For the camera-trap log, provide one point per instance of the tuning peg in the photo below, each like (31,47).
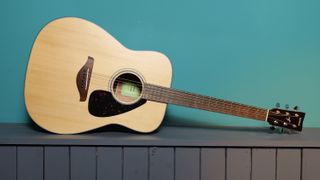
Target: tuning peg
(296,108)
(277,105)
(287,106)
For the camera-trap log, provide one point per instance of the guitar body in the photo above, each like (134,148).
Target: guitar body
(80,78)
(53,79)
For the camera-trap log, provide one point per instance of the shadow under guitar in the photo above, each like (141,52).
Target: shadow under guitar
(174,121)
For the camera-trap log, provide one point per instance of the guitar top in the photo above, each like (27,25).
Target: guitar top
(80,78)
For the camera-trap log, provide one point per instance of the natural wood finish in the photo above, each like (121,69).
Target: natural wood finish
(60,50)
(54,80)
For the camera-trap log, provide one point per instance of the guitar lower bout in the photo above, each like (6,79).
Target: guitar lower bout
(80,78)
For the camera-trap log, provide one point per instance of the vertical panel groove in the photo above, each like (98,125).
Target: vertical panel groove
(16,162)
(200,152)
(276,165)
(250,163)
(148,162)
(225,163)
(174,163)
(122,160)
(69,151)
(17,166)
(43,162)
(301,163)
(96,163)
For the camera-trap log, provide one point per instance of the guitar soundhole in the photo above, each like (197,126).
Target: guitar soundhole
(124,95)
(127,88)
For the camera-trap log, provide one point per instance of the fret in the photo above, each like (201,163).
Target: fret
(177,97)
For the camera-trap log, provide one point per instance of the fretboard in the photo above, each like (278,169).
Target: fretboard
(177,97)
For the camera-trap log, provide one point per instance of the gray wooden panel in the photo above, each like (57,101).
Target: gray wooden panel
(135,165)
(310,164)
(263,164)
(213,163)
(29,163)
(187,164)
(56,163)
(161,163)
(8,162)
(109,163)
(238,164)
(83,163)
(288,164)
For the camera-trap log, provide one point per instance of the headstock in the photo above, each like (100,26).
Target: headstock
(290,119)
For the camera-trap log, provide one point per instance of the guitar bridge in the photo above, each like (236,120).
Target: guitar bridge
(83,78)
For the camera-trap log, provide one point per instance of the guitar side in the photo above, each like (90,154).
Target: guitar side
(60,51)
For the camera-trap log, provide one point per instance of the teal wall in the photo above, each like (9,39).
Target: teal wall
(257,52)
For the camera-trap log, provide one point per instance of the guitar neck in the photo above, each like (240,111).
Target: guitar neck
(177,97)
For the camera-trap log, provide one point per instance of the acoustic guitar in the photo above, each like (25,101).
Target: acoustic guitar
(80,78)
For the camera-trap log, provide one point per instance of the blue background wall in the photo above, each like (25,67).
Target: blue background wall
(257,52)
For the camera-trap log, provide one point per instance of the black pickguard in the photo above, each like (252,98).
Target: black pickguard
(102,104)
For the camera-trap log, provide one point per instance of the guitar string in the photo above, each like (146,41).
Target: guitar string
(222,102)
(240,107)
(202,96)
(203,106)
(218,105)
(178,91)
(194,95)
(214,106)
(223,106)
(171,89)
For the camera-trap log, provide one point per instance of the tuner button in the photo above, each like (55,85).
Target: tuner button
(285,124)
(296,108)
(288,119)
(277,105)
(287,106)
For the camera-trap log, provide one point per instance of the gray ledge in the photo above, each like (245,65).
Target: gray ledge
(26,134)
